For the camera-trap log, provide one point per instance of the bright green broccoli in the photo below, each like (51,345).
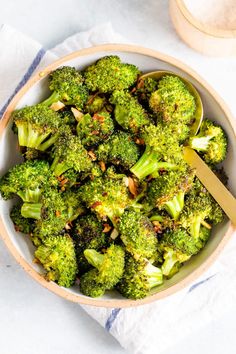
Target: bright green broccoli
(139,277)
(137,234)
(21,224)
(66,84)
(172,101)
(73,204)
(90,286)
(128,113)
(88,233)
(119,149)
(57,255)
(168,191)
(106,196)
(162,151)
(37,126)
(210,142)
(109,74)
(94,129)
(110,265)
(28,180)
(69,153)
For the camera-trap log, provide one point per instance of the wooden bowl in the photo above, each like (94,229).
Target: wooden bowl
(213,38)
(35,90)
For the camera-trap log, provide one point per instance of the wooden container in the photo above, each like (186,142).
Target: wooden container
(35,90)
(214,38)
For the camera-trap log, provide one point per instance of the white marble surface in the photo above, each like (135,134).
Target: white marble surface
(34,321)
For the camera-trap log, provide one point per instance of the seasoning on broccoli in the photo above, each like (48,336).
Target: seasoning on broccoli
(69,153)
(28,180)
(139,277)
(96,103)
(66,84)
(109,74)
(172,101)
(110,265)
(210,142)
(90,286)
(137,234)
(57,255)
(94,129)
(37,126)
(119,149)
(129,114)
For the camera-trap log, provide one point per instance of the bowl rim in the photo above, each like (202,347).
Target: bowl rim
(63,292)
(207,29)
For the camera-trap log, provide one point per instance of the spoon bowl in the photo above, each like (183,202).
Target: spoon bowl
(157,75)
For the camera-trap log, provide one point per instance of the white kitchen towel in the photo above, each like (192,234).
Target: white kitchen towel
(161,324)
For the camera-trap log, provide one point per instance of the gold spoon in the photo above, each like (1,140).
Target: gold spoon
(215,187)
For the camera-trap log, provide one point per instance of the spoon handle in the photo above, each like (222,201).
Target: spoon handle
(218,191)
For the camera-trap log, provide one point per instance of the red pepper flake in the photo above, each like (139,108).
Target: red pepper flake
(107,228)
(102,165)
(104,194)
(92,155)
(95,132)
(94,205)
(139,141)
(58,214)
(98,117)
(140,84)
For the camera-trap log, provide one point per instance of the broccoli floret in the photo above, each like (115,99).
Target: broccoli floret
(66,84)
(107,197)
(68,179)
(168,191)
(162,151)
(210,142)
(137,233)
(51,213)
(94,129)
(178,246)
(32,154)
(28,180)
(67,117)
(95,104)
(109,74)
(128,113)
(119,149)
(57,255)
(173,101)
(90,286)
(37,126)
(110,265)
(200,208)
(139,277)
(73,204)
(144,89)
(69,153)
(21,224)
(88,233)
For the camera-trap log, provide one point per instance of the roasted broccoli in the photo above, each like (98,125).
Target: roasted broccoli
(119,149)
(88,233)
(139,277)
(66,84)
(137,234)
(110,265)
(21,224)
(73,204)
(57,256)
(210,142)
(109,74)
(69,153)
(162,151)
(128,113)
(172,101)
(28,180)
(96,103)
(94,129)
(89,284)
(168,191)
(37,126)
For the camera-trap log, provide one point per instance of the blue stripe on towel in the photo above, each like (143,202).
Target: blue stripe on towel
(25,78)
(111,319)
(194,286)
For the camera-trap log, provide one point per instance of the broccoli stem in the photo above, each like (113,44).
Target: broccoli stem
(94,258)
(147,164)
(55,97)
(154,275)
(195,227)
(35,138)
(58,168)
(156,218)
(170,260)
(22,134)
(175,206)
(29,195)
(31,210)
(200,143)
(49,142)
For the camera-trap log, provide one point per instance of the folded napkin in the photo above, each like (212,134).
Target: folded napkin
(158,326)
